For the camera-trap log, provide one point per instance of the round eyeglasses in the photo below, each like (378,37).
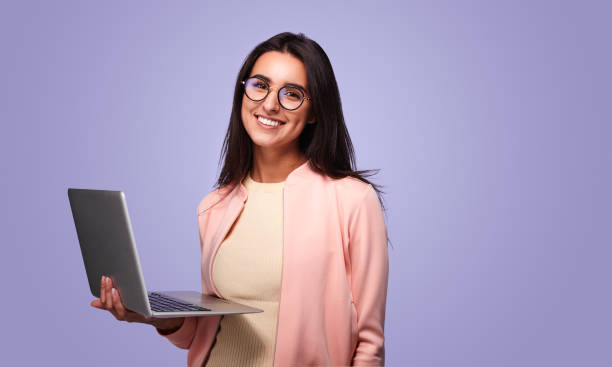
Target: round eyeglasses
(290,97)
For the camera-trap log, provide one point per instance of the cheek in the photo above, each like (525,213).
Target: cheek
(304,116)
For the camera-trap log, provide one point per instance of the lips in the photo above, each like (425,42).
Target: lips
(269,122)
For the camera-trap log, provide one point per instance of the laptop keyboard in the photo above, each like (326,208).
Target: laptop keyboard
(162,303)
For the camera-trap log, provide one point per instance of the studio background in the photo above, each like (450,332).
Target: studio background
(490,122)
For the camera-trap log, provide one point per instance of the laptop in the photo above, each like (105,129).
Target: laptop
(107,244)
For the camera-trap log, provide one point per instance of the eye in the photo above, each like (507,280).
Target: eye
(261,85)
(292,94)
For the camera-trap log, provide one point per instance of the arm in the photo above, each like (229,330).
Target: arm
(369,277)
(183,336)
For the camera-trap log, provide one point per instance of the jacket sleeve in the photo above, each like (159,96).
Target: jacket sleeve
(369,277)
(183,337)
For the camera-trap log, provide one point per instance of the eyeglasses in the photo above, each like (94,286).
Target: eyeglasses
(290,97)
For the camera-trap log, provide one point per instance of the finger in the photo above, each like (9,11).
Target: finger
(102,282)
(97,304)
(108,295)
(109,299)
(118,304)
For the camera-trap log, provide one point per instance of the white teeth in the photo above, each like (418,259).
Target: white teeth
(265,121)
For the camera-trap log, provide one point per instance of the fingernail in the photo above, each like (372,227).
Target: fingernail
(114,292)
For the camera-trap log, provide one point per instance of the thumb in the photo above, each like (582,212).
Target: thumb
(96,303)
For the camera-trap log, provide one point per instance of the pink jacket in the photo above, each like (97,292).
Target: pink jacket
(334,273)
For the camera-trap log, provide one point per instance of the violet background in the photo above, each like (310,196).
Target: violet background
(489,120)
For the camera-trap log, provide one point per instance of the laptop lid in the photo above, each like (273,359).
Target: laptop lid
(107,244)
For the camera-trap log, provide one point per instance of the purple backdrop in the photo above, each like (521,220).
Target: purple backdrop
(490,122)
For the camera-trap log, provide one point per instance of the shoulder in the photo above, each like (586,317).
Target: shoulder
(347,188)
(214,198)
(355,195)
(355,204)
(352,188)
(348,193)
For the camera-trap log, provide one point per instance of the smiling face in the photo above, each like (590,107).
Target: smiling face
(269,125)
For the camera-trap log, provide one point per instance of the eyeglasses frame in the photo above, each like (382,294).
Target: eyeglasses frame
(305,97)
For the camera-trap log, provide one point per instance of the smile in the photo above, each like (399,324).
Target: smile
(269,122)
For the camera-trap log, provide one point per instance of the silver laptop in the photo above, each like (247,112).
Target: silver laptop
(108,248)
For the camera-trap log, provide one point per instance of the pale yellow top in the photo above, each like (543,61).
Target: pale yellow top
(247,269)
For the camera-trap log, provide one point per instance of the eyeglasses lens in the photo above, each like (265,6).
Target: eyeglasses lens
(291,98)
(256,89)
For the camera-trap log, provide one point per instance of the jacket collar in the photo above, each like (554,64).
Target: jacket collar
(239,192)
(294,176)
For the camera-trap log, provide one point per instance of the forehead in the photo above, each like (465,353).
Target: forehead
(281,68)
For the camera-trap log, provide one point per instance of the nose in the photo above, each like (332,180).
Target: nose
(270,103)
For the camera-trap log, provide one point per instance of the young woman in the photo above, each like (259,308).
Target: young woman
(292,227)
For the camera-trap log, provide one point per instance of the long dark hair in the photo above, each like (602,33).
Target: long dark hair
(326,143)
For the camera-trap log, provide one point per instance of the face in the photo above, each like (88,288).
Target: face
(259,117)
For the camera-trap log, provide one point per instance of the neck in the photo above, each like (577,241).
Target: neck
(274,165)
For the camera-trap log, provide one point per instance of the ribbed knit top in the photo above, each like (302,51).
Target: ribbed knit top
(247,269)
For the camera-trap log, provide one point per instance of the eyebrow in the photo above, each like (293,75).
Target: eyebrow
(288,84)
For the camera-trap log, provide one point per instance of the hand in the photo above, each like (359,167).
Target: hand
(110,300)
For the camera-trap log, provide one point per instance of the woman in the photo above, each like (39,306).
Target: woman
(292,228)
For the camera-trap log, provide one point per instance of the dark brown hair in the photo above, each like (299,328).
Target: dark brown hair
(326,143)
